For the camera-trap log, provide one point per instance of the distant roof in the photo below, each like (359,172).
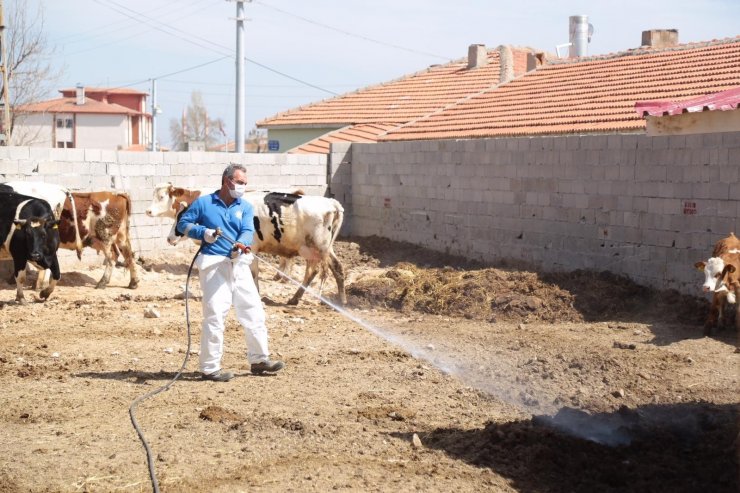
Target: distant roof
(719,101)
(363,133)
(585,95)
(107,90)
(404,99)
(69,105)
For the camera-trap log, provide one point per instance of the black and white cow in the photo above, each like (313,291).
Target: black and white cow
(289,225)
(29,233)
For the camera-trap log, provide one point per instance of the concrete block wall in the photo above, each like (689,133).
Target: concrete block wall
(137,173)
(646,207)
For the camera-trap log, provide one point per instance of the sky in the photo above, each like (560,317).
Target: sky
(300,51)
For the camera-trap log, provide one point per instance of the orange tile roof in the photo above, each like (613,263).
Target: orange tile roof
(105,90)
(362,133)
(590,95)
(401,100)
(68,105)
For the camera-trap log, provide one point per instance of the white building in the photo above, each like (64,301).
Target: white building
(83,117)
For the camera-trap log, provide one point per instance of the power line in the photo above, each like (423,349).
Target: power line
(351,34)
(189,40)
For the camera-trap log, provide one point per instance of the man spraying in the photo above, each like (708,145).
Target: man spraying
(225,277)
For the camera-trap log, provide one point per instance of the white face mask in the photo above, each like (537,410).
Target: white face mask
(238,191)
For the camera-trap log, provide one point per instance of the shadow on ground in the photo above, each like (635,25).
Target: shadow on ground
(670,448)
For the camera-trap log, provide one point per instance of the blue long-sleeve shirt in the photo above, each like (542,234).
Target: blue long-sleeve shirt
(210,212)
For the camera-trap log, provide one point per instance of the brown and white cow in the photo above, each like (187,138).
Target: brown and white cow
(288,225)
(103,221)
(719,274)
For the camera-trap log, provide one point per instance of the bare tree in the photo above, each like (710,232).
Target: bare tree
(195,126)
(30,73)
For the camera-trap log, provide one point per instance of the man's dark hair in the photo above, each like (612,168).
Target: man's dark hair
(231,169)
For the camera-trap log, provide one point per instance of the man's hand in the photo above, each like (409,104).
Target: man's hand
(210,235)
(240,248)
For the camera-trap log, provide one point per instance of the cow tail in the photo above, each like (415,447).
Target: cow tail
(75,224)
(336,223)
(128,212)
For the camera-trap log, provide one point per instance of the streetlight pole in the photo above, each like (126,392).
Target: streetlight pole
(240,103)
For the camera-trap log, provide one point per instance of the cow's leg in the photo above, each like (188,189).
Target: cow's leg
(285,267)
(19,275)
(336,268)
(43,279)
(128,256)
(715,312)
(55,276)
(108,263)
(311,271)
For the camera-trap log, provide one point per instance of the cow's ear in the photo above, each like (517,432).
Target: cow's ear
(700,265)
(19,222)
(53,224)
(729,269)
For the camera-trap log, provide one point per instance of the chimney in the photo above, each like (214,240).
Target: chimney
(477,56)
(506,64)
(535,60)
(80,93)
(579,35)
(660,38)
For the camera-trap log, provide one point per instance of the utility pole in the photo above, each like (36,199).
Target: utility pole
(4,69)
(240,99)
(155,112)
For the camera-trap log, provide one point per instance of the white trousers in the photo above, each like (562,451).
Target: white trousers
(226,282)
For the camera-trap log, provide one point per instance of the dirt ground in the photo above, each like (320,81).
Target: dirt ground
(442,375)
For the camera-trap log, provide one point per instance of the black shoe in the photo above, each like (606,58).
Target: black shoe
(269,365)
(219,376)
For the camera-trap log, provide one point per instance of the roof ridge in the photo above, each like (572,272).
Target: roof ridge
(429,68)
(644,50)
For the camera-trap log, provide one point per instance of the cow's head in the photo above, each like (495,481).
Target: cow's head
(162,201)
(718,275)
(41,237)
(174,237)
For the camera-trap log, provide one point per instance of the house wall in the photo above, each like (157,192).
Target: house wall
(98,131)
(291,138)
(34,129)
(646,207)
(694,123)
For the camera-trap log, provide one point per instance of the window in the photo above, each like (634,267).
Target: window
(68,123)
(63,145)
(60,123)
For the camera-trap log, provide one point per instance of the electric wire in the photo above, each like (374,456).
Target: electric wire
(135,403)
(351,34)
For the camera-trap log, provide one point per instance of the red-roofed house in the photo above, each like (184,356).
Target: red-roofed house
(89,117)
(363,115)
(716,112)
(541,96)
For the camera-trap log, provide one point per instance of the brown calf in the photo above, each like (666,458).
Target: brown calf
(103,221)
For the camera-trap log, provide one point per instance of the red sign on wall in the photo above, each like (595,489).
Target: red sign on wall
(689,208)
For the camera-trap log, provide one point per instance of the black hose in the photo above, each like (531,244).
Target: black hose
(132,407)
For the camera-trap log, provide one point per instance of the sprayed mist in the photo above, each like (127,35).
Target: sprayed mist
(499,379)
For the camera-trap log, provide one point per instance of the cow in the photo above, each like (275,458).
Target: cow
(102,219)
(29,234)
(288,225)
(716,279)
(170,201)
(56,196)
